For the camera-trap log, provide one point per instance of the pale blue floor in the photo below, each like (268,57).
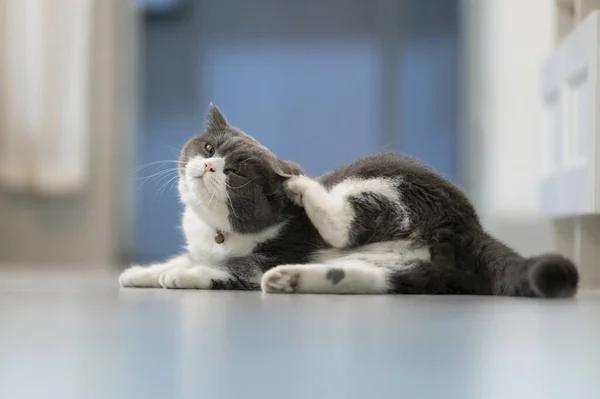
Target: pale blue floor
(79,336)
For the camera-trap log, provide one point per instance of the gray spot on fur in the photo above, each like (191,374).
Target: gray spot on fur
(335,275)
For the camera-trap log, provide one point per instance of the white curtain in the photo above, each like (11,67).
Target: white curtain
(45,61)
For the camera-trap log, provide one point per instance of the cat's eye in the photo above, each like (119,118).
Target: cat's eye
(235,172)
(228,171)
(209,148)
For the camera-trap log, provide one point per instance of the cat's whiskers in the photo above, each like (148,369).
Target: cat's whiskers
(159,173)
(242,186)
(159,176)
(162,189)
(165,176)
(245,161)
(231,204)
(164,161)
(177,150)
(212,196)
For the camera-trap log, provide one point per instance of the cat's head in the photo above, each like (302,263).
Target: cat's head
(232,181)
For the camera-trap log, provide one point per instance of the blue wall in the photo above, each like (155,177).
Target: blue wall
(428,116)
(304,79)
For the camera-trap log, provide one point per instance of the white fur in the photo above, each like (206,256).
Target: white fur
(197,277)
(389,254)
(206,192)
(330,212)
(359,278)
(366,270)
(201,240)
(149,276)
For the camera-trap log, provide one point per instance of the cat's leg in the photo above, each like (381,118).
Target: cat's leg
(184,273)
(321,278)
(382,268)
(350,212)
(149,276)
(414,277)
(196,277)
(235,274)
(329,214)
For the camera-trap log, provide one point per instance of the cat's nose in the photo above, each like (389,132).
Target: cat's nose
(208,167)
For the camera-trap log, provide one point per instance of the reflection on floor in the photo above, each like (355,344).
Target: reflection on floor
(77,335)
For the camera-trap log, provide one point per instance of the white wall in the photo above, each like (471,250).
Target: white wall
(508,42)
(505,44)
(83,228)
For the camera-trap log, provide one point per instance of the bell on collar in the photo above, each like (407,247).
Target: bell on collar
(219,238)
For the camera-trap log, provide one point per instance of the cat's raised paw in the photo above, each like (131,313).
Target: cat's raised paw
(139,276)
(280,280)
(296,186)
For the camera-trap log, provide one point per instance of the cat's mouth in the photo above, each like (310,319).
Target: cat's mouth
(199,183)
(205,188)
(198,180)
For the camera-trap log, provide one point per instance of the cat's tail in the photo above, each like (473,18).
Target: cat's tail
(547,275)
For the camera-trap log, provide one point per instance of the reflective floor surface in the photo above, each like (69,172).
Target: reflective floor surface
(78,335)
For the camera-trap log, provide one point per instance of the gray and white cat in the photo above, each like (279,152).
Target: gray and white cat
(384,224)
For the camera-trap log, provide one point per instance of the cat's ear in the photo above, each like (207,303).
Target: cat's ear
(215,119)
(291,168)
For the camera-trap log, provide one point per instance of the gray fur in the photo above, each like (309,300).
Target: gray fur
(335,275)
(434,214)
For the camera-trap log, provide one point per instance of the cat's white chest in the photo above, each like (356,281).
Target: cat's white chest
(201,242)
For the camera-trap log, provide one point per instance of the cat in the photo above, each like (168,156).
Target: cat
(385,224)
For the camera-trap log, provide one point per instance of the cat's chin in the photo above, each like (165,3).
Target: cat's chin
(197,197)
(214,214)
(187,198)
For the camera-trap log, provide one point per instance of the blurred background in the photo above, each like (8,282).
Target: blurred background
(97,96)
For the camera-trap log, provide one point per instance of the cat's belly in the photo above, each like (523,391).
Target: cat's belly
(390,254)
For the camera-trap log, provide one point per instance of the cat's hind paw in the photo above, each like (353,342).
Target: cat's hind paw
(281,280)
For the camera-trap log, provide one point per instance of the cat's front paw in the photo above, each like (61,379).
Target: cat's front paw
(280,280)
(139,276)
(296,187)
(182,278)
